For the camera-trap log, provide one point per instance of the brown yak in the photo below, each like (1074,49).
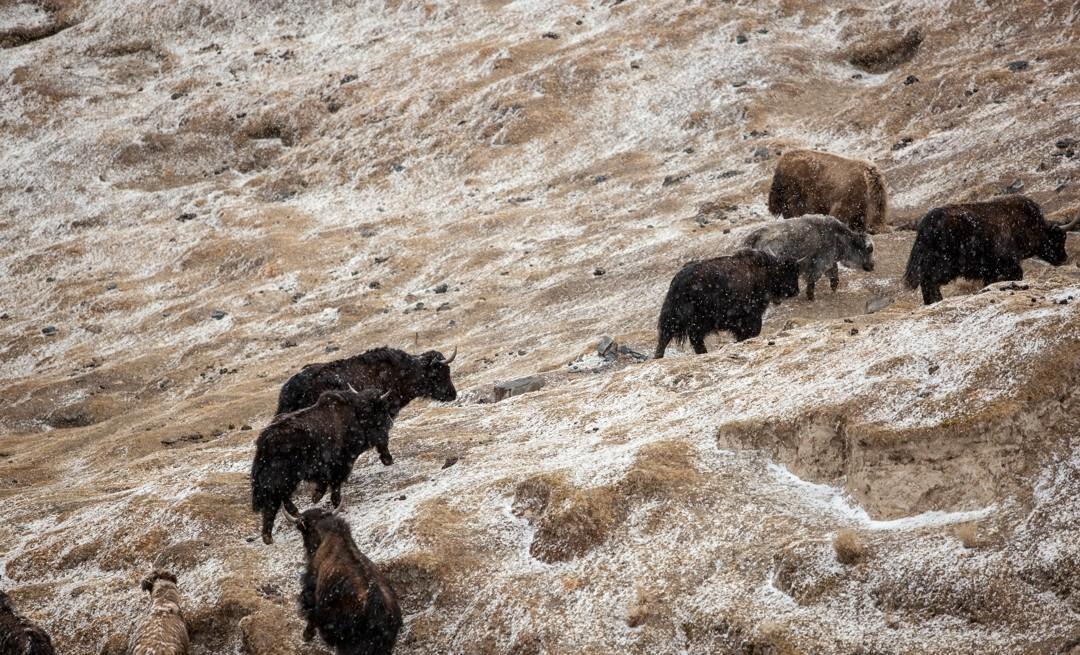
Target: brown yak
(163,630)
(813,182)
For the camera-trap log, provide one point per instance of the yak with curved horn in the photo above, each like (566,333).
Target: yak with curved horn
(405,376)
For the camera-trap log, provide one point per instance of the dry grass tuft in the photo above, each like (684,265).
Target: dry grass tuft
(968,534)
(849,547)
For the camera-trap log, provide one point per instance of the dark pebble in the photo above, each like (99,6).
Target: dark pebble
(550,35)
(374,284)
(1018,65)
(1066,143)
(598,272)
(741,38)
(217,314)
(185,217)
(245,427)
(288,343)
(49,330)
(442,288)
(910,79)
(450,461)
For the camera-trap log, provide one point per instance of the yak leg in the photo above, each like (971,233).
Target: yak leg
(811,282)
(834,276)
(268,516)
(335,495)
(662,343)
(320,491)
(309,632)
(931,292)
(698,342)
(384,454)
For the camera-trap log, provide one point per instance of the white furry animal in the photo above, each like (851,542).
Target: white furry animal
(163,630)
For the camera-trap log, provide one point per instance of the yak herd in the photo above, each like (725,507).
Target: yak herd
(330,413)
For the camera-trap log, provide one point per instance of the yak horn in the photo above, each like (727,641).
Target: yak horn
(1071,224)
(292,517)
(340,506)
(386,395)
(351,388)
(452,355)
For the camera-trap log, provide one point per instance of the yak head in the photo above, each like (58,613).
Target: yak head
(316,524)
(161,585)
(859,252)
(1052,244)
(435,379)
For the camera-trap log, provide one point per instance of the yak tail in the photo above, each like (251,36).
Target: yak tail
(877,199)
(916,260)
(776,194)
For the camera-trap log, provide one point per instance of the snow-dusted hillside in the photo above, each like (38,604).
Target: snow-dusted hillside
(196,198)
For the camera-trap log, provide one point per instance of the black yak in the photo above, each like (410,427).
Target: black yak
(981,241)
(818,243)
(343,596)
(318,444)
(163,631)
(724,293)
(18,636)
(386,369)
(813,182)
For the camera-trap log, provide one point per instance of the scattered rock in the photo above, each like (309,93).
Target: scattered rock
(598,272)
(5,316)
(374,284)
(902,143)
(674,179)
(331,348)
(726,174)
(1015,187)
(550,35)
(288,343)
(380,259)
(1018,65)
(348,78)
(933,368)
(761,153)
(217,314)
(49,330)
(517,387)
(110,286)
(443,307)
(877,304)
(738,83)
(185,217)
(607,347)
(450,461)
(910,79)
(245,427)
(1066,143)
(853,331)
(883,52)
(194,437)
(599,179)
(442,288)
(741,38)
(630,352)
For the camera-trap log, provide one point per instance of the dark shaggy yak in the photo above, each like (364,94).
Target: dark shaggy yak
(18,636)
(812,182)
(818,243)
(163,630)
(724,293)
(386,369)
(318,444)
(343,596)
(981,241)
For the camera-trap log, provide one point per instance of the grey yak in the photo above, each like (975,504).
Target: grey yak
(819,243)
(982,241)
(724,293)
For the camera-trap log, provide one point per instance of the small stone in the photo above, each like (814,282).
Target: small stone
(599,179)
(5,316)
(331,348)
(374,284)
(419,305)
(598,272)
(110,286)
(521,353)
(771,342)
(550,35)
(726,174)
(442,288)
(443,307)
(185,217)
(49,330)
(902,143)
(517,387)
(450,461)
(50,279)
(401,497)
(910,79)
(1066,143)
(741,38)
(1015,187)
(669,180)
(348,78)
(217,314)
(606,346)
(738,83)
(933,368)
(245,427)
(761,153)
(288,343)
(763,30)
(853,331)
(381,259)
(635,64)
(1018,65)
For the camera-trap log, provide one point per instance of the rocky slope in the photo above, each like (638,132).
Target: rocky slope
(198,198)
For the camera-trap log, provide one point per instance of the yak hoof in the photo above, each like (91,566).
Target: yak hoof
(267,539)
(387,460)
(309,633)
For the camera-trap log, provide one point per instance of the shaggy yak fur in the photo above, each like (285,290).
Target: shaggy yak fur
(343,596)
(724,293)
(385,369)
(818,243)
(981,241)
(318,444)
(811,182)
(18,636)
(163,630)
